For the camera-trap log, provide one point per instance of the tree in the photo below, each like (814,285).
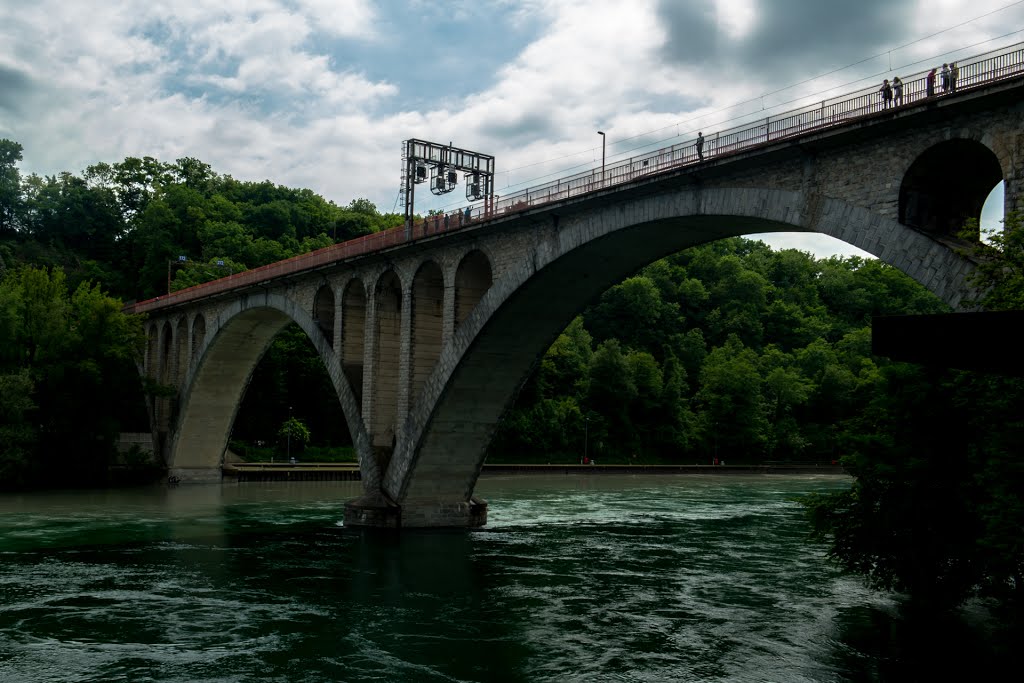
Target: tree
(732,410)
(68,360)
(674,429)
(611,391)
(10,185)
(936,510)
(17,435)
(564,369)
(293,434)
(634,313)
(784,389)
(999,256)
(647,379)
(909,522)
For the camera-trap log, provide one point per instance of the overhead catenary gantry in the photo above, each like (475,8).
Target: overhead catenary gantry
(440,165)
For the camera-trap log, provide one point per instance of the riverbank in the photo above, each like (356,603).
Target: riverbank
(329,471)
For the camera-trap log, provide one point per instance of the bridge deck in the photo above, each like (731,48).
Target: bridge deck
(837,113)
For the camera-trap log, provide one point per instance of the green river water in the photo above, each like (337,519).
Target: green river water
(575,578)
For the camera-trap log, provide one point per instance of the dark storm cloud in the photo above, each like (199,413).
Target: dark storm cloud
(790,38)
(14,87)
(527,126)
(692,30)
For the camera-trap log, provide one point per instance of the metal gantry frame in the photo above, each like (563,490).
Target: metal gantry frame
(424,161)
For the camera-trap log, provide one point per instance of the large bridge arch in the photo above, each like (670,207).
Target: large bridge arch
(213,388)
(572,260)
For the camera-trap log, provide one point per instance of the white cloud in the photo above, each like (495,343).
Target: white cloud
(260,89)
(736,17)
(348,18)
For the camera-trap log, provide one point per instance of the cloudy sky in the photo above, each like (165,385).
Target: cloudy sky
(321,93)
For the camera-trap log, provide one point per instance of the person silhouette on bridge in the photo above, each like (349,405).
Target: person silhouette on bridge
(886,91)
(897,90)
(930,83)
(700,146)
(945,78)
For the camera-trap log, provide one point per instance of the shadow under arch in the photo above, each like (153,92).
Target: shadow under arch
(353,335)
(947,184)
(523,312)
(213,389)
(473,278)
(427,304)
(323,311)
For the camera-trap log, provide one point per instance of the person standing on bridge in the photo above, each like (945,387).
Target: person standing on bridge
(886,91)
(897,90)
(700,146)
(930,83)
(945,78)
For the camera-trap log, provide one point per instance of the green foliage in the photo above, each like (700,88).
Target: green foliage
(125,224)
(10,185)
(66,367)
(727,348)
(936,509)
(733,411)
(634,313)
(17,434)
(999,257)
(197,272)
(293,432)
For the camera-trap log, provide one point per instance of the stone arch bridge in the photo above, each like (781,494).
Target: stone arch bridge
(428,331)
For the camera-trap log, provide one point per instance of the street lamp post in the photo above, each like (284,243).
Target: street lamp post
(603,140)
(288,437)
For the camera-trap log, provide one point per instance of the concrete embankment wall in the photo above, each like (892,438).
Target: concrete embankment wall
(289,472)
(345,472)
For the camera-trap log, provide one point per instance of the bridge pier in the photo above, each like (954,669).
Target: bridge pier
(196,475)
(376,511)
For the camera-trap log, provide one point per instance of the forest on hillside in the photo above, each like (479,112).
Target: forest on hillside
(126,225)
(729,350)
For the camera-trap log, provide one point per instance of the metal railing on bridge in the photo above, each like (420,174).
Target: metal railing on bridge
(975,72)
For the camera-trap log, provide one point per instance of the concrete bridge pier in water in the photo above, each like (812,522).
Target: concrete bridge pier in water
(427,333)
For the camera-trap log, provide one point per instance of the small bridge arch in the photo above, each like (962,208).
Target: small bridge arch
(213,388)
(947,184)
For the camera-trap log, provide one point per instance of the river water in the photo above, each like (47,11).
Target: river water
(575,578)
